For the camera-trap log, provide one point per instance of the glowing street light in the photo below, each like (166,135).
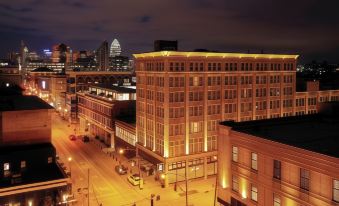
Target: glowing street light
(69,164)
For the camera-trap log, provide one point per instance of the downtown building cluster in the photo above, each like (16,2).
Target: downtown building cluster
(175,119)
(61,57)
(181,98)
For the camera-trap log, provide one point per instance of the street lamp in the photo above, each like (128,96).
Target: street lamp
(163,176)
(70,169)
(122,151)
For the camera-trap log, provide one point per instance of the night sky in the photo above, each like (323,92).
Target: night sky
(306,27)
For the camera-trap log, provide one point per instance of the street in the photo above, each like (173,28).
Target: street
(109,188)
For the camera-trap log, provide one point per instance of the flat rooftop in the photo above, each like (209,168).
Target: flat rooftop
(214,54)
(118,89)
(317,132)
(22,102)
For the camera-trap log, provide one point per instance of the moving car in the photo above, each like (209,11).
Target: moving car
(121,169)
(135,179)
(72,137)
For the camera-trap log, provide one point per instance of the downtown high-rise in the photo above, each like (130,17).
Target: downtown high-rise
(182,96)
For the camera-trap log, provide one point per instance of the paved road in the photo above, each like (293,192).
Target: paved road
(106,186)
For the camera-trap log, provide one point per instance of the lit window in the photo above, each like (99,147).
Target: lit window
(235,154)
(43,84)
(254,193)
(304,179)
(276,200)
(235,184)
(336,190)
(6,166)
(50,160)
(254,162)
(277,169)
(23,164)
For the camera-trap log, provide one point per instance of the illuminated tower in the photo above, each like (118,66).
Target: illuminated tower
(115,48)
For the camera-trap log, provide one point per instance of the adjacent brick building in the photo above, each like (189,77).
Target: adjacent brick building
(286,161)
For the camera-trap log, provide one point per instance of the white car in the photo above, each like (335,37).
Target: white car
(134,179)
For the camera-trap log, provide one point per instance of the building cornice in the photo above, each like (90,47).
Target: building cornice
(213,54)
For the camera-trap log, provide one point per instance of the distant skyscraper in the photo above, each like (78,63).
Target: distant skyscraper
(102,56)
(115,48)
(61,53)
(23,54)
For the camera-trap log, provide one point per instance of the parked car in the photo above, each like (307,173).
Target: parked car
(72,137)
(85,138)
(121,169)
(134,179)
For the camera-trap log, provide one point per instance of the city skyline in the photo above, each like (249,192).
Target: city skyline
(307,28)
(162,103)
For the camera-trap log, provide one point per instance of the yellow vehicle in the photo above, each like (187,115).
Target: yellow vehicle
(135,179)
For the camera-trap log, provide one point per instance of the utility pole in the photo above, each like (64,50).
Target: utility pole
(152,199)
(186,186)
(176,180)
(215,189)
(88,187)
(141,180)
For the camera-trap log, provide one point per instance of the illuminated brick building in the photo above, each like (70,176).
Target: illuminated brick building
(181,97)
(287,161)
(79,81)
(100,105)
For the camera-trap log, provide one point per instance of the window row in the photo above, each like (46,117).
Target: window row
(216,66)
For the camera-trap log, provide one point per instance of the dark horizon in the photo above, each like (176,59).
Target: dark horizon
(307,28)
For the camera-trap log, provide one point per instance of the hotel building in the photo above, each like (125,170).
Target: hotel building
(289,161)
(98,108)
(182,96)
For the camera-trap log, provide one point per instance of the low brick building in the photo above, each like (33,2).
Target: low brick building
(29,174)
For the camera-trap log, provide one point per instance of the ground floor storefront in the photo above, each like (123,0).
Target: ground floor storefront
(177,169)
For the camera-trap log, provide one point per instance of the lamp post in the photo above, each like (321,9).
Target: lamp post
(163,176)
(65,113)
(216,183)
(69,164)
(121,151)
